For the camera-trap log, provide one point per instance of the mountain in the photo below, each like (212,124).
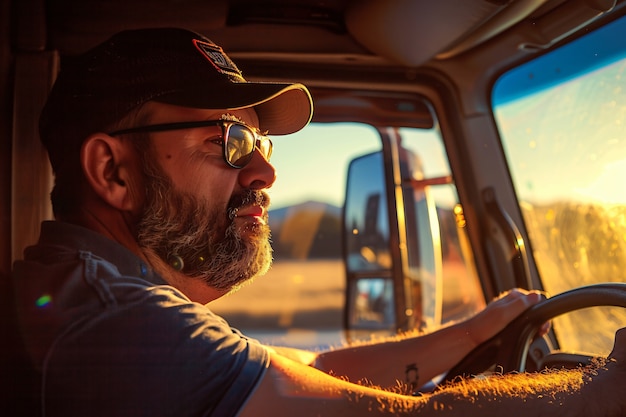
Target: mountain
(309,230)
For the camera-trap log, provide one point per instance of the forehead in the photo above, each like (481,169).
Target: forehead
(168,113)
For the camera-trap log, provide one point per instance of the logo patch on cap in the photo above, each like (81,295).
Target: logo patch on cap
(218,58)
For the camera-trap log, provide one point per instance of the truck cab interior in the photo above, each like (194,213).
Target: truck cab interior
(458,149)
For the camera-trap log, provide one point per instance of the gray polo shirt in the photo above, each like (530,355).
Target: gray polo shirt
(112,338)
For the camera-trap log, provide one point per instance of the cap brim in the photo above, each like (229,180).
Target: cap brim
(282,108)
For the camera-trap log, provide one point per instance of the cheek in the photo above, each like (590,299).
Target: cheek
(183,173)
(203,180)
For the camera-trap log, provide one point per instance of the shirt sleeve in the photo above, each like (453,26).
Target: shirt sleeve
(154,353)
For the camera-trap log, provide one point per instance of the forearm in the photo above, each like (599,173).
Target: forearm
(410,361)
(289,389)
(577,392)
(416,360)
(583,392)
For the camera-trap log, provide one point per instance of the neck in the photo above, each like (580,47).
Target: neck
(194,288)
(113,225)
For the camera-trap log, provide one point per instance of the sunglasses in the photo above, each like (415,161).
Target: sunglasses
(238,143)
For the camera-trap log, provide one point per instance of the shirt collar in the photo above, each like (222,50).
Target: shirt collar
(82,239)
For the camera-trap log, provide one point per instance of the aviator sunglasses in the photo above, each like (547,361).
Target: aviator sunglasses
(238,139)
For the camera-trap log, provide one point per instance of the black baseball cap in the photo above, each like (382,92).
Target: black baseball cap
(169,65)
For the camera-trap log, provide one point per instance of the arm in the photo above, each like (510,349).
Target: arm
(416,360)
(293,389)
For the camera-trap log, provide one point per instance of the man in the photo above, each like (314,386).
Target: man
(161,160)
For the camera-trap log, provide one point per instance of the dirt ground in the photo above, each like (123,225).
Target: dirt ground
(297,303)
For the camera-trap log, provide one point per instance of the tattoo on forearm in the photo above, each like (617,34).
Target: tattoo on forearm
(411,375)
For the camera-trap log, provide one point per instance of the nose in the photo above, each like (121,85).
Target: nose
(258,174)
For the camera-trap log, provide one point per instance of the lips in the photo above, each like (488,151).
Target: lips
(251,211)
(250,205)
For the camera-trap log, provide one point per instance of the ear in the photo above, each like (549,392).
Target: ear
(106,162)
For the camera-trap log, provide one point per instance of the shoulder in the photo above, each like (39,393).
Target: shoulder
(159,350)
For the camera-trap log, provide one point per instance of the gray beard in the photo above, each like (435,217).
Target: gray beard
(201,241)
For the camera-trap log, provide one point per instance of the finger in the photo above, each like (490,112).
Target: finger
(544,329)
(512,305)
(527,297)
(511,294)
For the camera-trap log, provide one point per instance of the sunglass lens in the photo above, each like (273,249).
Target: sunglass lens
(265,146)
(239,146)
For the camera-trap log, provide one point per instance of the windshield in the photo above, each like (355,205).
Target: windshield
(562,118)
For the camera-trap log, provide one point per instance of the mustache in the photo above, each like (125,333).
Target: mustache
(245,199)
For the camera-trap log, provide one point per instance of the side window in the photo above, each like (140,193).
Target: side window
(409,267)
(562,120)
(300,301)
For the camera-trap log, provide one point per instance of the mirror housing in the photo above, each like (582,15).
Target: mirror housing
(391,286)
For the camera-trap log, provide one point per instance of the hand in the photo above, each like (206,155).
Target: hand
(501,312)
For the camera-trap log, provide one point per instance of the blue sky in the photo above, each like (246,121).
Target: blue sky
(570,142)
(312,164)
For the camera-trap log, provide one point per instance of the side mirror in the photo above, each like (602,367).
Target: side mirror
(370,298)
(392,252)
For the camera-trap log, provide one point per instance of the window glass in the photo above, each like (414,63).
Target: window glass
(434,192)
(300,301)
(562,118)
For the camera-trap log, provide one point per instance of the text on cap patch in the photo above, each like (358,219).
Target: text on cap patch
(217,57)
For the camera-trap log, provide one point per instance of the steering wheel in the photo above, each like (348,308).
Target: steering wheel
(508,350)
